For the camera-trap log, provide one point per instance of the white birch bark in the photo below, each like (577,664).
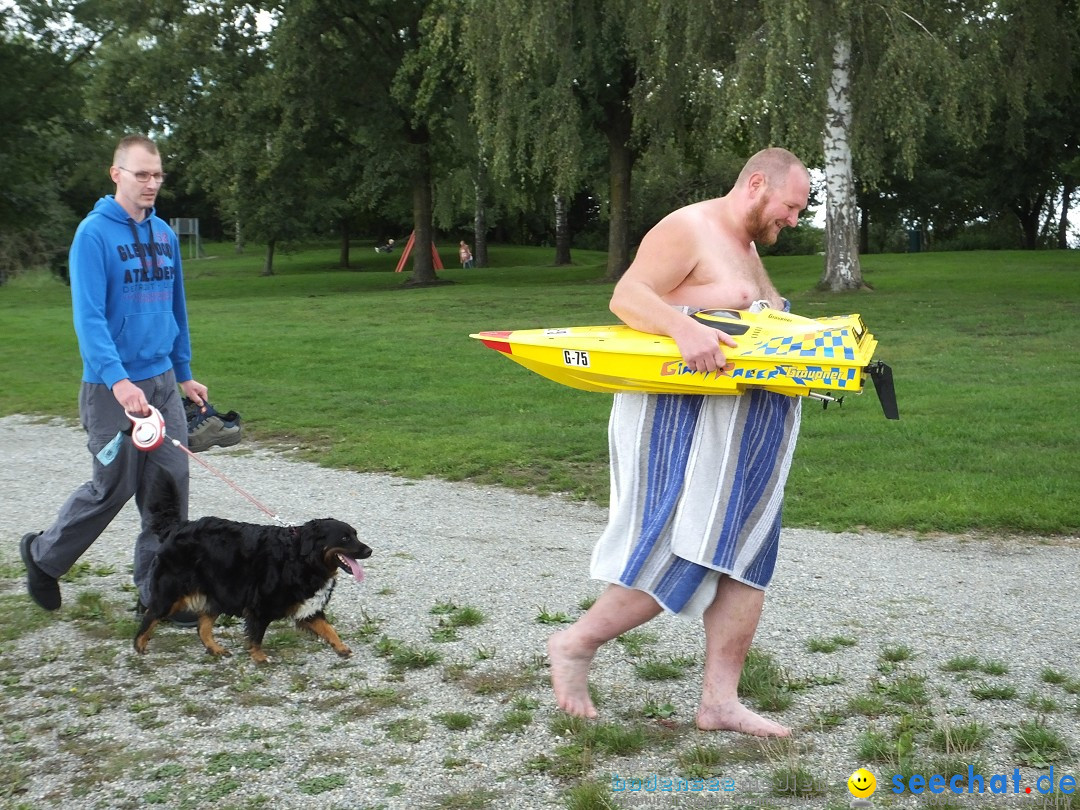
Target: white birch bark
(562,231)
(842,270)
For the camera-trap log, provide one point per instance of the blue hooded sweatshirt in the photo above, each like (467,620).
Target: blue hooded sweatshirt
(127,297)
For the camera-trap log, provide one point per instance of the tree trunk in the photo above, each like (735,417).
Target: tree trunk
(1047,223)
(842,270)
(1063,222)
(480,251)
(864,231)
(268,265)
(620,164)
(238,236)
(480,248)
(343,259)
(1029,227)
(1027,213)
(562,232)
(423,267)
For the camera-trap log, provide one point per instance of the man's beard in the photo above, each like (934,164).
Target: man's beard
(759,228)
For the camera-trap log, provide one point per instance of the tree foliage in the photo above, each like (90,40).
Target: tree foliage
(40,135)
(899,64)
(301,117)
(553,80)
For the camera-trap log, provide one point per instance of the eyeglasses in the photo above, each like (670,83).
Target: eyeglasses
(144,177)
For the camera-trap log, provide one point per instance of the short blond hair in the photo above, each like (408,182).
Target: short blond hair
(129,141)
(775,163)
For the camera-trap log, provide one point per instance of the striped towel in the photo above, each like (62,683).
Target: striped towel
(697,485)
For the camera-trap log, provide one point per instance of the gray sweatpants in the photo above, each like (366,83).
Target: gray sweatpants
(91,508)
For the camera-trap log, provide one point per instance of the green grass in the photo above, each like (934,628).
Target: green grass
(590,796)
(514,721)
(997,691)
(546,616)
(320,784)
(358,372)
(1038,745)
(961,663)
(635,641)
(655,669)
(701,762)
(894,655)
(764,682)
(908,689)
(829,645)
(609,739)
(952,738)
(405,656)
(656,710)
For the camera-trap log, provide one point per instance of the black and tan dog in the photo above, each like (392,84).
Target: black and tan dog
(261,573)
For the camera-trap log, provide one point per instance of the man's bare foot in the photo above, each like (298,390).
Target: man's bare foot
(570,675)
(734,716)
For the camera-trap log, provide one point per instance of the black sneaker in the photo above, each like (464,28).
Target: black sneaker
(182,618)
(44,589)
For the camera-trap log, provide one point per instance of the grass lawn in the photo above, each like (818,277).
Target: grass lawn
(354,371)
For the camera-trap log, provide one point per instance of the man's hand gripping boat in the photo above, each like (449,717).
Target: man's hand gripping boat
(822,358)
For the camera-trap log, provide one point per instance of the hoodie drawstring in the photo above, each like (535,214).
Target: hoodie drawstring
(141,250)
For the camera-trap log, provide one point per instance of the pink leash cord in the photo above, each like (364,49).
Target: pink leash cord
(148,433)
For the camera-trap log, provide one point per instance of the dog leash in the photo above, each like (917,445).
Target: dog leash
(148,433)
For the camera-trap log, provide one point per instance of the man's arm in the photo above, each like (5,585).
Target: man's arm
(89,296)
(666,257)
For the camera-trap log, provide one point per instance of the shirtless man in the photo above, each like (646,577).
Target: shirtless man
(702,256)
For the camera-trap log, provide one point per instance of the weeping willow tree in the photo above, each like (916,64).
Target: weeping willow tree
(854,85)
(552,79)
(1034,152)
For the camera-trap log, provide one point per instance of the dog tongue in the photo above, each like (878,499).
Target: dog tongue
(354,566)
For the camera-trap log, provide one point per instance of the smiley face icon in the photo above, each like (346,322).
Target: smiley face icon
(862,784)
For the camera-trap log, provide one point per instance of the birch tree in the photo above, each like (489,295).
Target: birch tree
(853,85)
(841,210)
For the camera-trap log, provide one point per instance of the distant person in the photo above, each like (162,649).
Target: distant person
(387,248)
(130,316)
(465,255)
(697,481)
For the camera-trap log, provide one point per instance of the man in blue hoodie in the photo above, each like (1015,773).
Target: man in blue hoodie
(127,296)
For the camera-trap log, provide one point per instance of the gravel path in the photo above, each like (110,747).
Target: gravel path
(88,723)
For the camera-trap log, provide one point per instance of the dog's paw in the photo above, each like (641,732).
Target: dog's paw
(344,652)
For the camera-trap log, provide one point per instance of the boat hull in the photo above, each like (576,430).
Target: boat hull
(776,351)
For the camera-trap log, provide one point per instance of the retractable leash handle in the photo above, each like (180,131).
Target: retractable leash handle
(147,432)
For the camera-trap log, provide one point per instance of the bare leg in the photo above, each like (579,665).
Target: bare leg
(730,623)
(571,651)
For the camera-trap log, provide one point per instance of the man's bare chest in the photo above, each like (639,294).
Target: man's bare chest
(732,284)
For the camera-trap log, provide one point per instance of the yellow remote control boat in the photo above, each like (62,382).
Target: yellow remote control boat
(821,358)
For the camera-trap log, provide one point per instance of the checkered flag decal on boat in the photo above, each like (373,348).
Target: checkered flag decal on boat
(815,344)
